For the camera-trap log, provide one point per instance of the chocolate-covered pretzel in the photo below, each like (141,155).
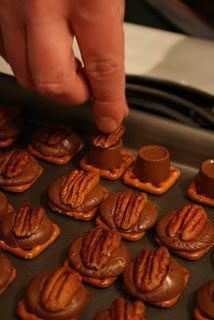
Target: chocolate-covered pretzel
(77,195)
(188,232)
(204,309)
(106,155)
(27,231)
(123,310)
(152,171)
(202,187)
(56,144)
(129,213)
(99,256)
(18,170)
(155,277)
(9,125)
(59,295)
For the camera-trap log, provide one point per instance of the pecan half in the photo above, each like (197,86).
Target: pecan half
(128,209)
(76,186)
(13,163)
(27,220)
(187,223)
(124,310)
(98,246)
(55,136)
(59,289)
(104,141)
(150,268)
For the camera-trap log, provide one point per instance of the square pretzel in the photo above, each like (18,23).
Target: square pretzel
(130,179)
(114,174)
(201,198)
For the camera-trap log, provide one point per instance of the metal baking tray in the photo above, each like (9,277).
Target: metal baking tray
(188,147)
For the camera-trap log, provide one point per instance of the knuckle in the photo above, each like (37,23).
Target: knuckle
(103,68)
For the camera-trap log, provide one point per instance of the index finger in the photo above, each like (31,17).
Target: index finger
(98,26)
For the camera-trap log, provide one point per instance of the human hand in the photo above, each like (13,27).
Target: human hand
(36,39)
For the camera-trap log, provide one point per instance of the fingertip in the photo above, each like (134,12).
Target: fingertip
(106,124)
(108,114)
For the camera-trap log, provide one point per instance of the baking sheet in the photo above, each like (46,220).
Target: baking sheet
(188,148)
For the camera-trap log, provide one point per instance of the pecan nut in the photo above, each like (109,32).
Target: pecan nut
(13,163)
(128,209)
(104,141)
(76,186)
(124,310)
(98,247)
(27,220)
(59,289)
(187,223)
(151,268)
(55,136)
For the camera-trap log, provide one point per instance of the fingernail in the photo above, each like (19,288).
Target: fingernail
(107,124)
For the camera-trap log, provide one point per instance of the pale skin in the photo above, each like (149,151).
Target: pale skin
(36,40)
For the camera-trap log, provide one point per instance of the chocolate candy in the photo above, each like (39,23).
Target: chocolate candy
(18,170)
(7,272)
(204,309)
(188,232)
(202,187)
(99,256)
(9,125)
(152,164)
(59,295)
(155,277)
(152,171)
(27,232)
(106,155)
(56,144)
(131,214)
(123,310)
(77,195)
(106,158)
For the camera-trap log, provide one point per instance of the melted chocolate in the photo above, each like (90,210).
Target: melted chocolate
(170,287)
(201,242)
(152,164)
(92,200)
(33,305)
(147,219)
(28,175)
(205,300)
(3,206)
(115,265)
(9,124)
(68,146)
(6,270)
(42,234)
